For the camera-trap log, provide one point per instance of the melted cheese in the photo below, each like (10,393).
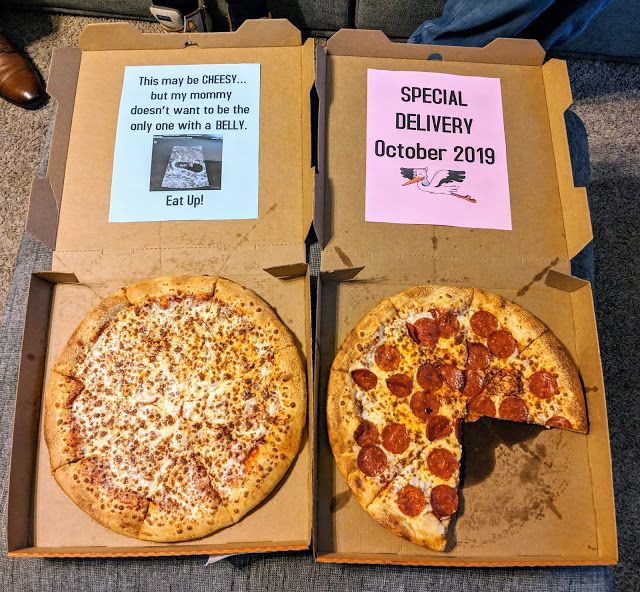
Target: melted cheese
(189,385)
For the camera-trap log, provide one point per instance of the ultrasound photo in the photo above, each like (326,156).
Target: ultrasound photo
(185,169)
(186,162)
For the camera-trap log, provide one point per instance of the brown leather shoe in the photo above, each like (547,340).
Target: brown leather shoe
(20,84)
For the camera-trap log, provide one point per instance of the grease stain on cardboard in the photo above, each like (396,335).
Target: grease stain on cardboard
(535,467)
(343,256)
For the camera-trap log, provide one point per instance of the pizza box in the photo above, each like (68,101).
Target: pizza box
(530,496)
(92,257)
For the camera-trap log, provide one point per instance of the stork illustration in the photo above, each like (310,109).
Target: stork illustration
(443,182)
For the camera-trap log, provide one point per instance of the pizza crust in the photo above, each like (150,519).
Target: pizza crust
(247,303)
(424,530)
(88,331)
(162,526)
(121,511)
(523,326)
(266,469)
(200,286)
(548,353)
(361,336)
(420,299)
(343,419)
(59,395)
(365,489)
(184,504)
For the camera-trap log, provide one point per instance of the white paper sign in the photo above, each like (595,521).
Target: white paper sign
(187,143)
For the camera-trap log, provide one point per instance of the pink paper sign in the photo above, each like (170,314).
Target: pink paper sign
(436,151)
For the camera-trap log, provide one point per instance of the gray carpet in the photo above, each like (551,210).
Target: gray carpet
(24,134)
(608,100)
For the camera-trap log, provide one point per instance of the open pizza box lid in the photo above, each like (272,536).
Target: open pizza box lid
(87,83)
(92,258)
(529,496)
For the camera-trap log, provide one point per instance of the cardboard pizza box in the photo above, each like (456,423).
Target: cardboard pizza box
(529,496)
(69,211)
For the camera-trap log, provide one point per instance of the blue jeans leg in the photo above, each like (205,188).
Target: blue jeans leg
(477,22)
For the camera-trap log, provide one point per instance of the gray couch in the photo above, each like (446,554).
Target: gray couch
(614,34)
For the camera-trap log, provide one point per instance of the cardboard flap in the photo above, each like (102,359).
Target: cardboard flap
(57,277)
(61,85)
(42,217)
(46,194)
(589,361)
(286,272)
(575,208)
(63,73)
(86,242)
(309,118)
(369,43)
(253,33)
(320,88)
(25,421)
(564,282)
(340,275)
(419,267)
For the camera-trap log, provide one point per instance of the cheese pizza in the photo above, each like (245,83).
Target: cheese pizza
(175,407)
(411,371)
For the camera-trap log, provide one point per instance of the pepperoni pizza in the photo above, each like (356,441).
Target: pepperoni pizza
(411,371)
(176,406)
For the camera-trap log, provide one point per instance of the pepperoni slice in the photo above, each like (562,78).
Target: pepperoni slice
(411,500)
(543,384)
(366,433)
(478,356)
(400,385)
(442,463)
(428,377)
(444,501)
(365,379)
(448,325)
(371,460)
(387,357)
(482,406)
(514,409)
(438,427)
(558,421)
(395,438)
(484,323)
(426,331)
(501,344)
(505,384)
(457,426)
(473,384)
(452,376)
(424,404)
